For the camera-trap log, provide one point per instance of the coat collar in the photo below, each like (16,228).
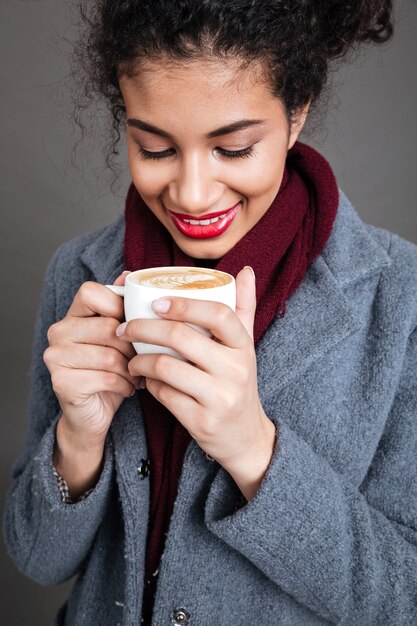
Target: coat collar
(104,256)
(318,314)
(352,251)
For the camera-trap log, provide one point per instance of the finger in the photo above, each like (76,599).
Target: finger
(89,357)
(246,298)
(95,299)
(99,331)
(181,405)
(188,342)
(177,374)
(121,279)
(217,317)
(75,384)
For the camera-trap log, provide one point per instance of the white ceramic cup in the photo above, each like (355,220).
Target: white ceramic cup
(138,298)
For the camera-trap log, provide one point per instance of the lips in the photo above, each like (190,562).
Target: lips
(198,231)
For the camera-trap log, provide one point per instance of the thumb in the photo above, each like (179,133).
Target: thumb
(246,298)
(120,280)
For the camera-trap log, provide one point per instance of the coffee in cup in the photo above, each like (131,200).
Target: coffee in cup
(144,286)
(181,278)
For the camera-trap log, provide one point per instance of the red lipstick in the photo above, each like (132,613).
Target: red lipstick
(205,231)
(209,216)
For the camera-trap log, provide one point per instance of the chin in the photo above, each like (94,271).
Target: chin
(211,252)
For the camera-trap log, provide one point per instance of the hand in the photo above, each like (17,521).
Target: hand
(215,394)
(89,364)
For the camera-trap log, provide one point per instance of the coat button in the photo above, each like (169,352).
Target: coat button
(180,617)
(144,468)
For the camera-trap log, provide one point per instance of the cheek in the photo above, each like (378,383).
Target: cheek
(263,180)
(264,175)
(147,176)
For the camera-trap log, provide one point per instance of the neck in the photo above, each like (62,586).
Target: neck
(207,262)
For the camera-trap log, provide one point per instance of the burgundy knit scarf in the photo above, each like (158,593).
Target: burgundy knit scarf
(280,248)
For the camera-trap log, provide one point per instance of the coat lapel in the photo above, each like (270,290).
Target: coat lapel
(317,317)
(318,314)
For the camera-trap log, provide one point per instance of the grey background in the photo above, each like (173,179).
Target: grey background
(370,139)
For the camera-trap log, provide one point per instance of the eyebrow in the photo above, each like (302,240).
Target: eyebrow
(224,130)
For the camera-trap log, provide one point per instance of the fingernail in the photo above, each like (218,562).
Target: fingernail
(161,306)
(251,269)
(141,384)
(121,329)
(126,272)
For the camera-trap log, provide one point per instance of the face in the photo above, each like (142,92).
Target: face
(206,138)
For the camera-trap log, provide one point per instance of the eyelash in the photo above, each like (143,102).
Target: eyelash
(235,154)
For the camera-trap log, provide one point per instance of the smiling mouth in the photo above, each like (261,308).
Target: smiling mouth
(213,225)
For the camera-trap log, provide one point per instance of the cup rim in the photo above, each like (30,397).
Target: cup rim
(178,267)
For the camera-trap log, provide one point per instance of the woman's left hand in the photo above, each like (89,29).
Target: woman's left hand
(215,395)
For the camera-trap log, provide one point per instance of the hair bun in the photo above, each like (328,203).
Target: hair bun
(347,23)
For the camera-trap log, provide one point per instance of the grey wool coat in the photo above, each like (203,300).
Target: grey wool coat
(331,535)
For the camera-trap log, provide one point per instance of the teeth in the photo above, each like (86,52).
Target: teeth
(205,222)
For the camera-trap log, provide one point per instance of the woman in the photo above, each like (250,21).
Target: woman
(271,478)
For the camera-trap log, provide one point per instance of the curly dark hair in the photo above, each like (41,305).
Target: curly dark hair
(294,39)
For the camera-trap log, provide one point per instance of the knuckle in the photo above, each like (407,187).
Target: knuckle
(86,290)
(110,324)
(207,429)
(163,393)
(227,400)
(110,380)
(52,333)
(162,363)
(58,382)
(48,356)
(112,359)
(223,315)
(176,334)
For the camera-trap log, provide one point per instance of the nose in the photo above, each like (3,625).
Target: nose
(194,189)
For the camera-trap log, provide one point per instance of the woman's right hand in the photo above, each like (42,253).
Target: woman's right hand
(88,362)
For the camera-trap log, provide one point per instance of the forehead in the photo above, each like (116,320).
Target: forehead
(210,92)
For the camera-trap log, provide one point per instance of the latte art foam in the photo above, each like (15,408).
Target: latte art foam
(178,278)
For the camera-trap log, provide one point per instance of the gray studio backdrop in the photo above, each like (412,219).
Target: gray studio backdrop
(370,138)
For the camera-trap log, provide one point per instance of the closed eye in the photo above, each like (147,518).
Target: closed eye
(237,154)
(145,154)
(229,154)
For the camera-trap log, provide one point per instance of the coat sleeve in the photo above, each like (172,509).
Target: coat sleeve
(46,538)
(348,554)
